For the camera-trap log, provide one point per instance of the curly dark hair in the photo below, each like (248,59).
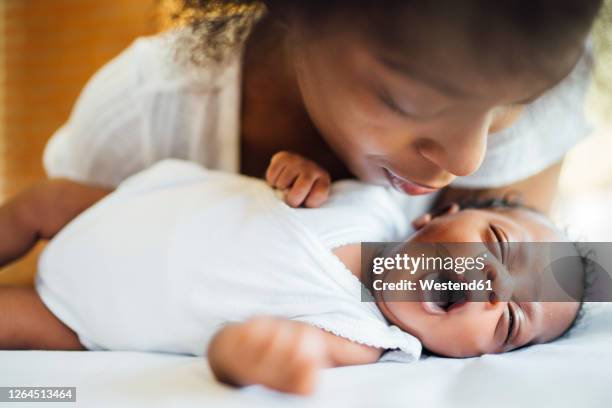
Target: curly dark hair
(539,30)
(216,27)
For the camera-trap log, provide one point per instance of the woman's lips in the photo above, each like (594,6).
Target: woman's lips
(407,187)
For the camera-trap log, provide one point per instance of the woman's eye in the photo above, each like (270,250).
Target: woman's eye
(390,103)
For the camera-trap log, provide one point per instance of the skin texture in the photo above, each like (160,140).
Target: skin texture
(356,110)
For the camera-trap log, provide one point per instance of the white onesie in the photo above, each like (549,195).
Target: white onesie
(178,251)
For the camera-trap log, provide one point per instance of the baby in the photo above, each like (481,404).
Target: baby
(186,260)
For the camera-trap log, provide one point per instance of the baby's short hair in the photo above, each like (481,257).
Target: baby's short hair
(509,200)
(587,260)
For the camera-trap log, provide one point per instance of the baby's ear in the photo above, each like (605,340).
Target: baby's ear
(426,218)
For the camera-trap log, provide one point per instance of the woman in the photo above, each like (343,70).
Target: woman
(428,97)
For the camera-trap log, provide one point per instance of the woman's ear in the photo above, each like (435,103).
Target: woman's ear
(423,220)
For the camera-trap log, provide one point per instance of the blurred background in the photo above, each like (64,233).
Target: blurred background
(584,205)
(50,48)
(48,51)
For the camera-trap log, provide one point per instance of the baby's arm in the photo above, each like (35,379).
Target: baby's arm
(304,182)
(281,354)
(40,212)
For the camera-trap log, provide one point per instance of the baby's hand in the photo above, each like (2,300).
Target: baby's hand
(280,354)
(303,181)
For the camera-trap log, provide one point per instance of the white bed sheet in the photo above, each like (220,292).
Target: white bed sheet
(575,371)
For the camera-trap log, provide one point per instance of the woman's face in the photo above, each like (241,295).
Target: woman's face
(413,123)
(473,328)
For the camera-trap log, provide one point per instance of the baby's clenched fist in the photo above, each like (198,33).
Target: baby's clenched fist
(303,181)
(280,354)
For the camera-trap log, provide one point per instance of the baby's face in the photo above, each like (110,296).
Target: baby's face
(475,328)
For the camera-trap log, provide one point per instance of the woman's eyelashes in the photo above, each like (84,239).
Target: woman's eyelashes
(390,103)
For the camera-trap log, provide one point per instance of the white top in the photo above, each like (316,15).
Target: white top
(178,251)
(144,106)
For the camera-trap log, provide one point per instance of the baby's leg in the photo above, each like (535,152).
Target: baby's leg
(26,323)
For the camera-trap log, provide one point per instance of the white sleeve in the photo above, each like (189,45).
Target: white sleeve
(546,131)
(102,141)
(147,105)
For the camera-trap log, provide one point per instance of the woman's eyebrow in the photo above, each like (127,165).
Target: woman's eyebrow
(439,84)
(447,88)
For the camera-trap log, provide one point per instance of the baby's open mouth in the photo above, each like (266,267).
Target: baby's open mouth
(442,301)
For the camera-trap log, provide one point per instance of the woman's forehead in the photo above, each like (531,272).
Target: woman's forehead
(462,76)
(490,69)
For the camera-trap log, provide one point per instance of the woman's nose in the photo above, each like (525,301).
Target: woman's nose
(458,149)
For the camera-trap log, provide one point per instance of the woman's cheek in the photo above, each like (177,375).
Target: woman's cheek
(505,118)
(374,127)
(361,129)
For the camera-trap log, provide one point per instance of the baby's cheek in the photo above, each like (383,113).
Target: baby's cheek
(459,337)
(462,335)
(410,317)
(436,333)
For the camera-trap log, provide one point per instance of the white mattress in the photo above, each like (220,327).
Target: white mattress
(571,372)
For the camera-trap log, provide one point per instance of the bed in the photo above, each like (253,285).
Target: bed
(575,371)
